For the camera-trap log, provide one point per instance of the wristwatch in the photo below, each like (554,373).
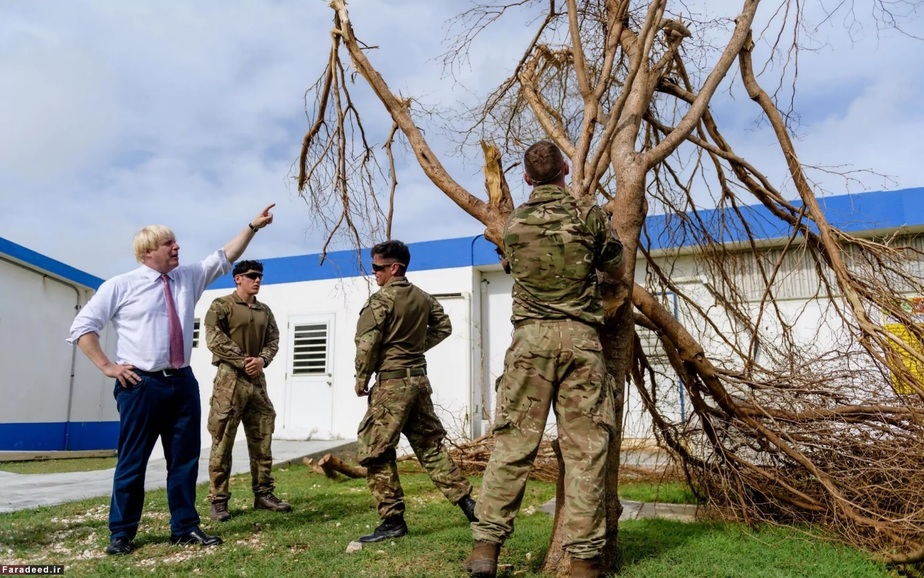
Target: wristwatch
(252,228)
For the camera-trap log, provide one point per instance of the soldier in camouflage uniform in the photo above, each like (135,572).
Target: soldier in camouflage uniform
(555,248)
(397,325)
(243,337)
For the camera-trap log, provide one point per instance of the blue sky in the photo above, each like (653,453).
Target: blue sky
(114,115)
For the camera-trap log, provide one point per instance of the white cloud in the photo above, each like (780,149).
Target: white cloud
(56,111)
(114,115)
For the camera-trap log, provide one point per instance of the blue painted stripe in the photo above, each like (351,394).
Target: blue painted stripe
(425,256)
(92,435)
(879,210)
(48,264)
(59,436)
(856,212)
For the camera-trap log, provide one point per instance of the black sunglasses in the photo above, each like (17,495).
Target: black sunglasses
(381,267)
(253,275)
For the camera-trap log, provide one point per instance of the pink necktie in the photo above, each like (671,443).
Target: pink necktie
(177,356)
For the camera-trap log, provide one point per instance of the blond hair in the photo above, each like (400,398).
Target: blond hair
(149,238)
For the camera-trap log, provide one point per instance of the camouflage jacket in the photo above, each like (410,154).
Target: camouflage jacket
(555,248)
(396,326)
(235,331)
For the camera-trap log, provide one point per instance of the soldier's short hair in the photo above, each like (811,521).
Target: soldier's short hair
(394,250)
(150,238)
(248,265)
(543,162)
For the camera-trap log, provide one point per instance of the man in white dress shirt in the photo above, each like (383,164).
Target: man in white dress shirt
(151,310)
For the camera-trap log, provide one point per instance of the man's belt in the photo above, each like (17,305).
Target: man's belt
(169,372)
(399,373)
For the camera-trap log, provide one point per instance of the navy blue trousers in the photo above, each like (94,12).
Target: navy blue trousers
(165,407)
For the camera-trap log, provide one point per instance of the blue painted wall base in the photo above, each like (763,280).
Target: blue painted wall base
(59,436)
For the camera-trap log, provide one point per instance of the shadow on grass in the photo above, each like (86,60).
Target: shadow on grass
(650,539)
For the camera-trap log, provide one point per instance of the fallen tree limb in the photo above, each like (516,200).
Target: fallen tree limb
(330,465)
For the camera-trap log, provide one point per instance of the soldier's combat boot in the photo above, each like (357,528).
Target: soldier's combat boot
(270,502)
(220,512)
(467,504)
(586,568)
(392,527)
(482,562)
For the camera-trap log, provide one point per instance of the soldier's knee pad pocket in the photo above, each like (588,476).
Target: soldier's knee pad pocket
(508,418)
(604,412)
(389,455)
(218,422)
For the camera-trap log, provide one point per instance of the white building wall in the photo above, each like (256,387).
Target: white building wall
(812,322)
(463,370)
(36,368)
(36,308)
(327,407)
(45,381)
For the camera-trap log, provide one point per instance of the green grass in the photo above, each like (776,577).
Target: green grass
(58,466)
(670,549)
(666,492)
(311,541)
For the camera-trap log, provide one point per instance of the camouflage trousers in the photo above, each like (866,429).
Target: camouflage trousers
(550,364)
(399,406)
(236,399)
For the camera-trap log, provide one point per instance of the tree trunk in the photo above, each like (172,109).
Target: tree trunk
(617,338)
(555,560)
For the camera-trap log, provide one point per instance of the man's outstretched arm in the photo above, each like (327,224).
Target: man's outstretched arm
(236,246)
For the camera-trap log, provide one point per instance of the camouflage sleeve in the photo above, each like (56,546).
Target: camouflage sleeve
(271,340)
(607,247)
(369,334)
(438,325)
(216,335)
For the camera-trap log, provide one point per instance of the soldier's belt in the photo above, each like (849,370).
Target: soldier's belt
(523,322)
(533,321)
(399,373)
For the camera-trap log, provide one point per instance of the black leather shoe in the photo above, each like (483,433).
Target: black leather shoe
(196,536)
(467,504)
(119,547)
(393,527)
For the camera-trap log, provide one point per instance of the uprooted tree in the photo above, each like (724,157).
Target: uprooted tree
(827,429)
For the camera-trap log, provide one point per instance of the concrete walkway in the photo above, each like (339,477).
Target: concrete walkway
(22,491)
(646,457)
(639,510)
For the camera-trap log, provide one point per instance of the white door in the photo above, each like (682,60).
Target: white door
(308,400)
(496,334)
(449,368)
